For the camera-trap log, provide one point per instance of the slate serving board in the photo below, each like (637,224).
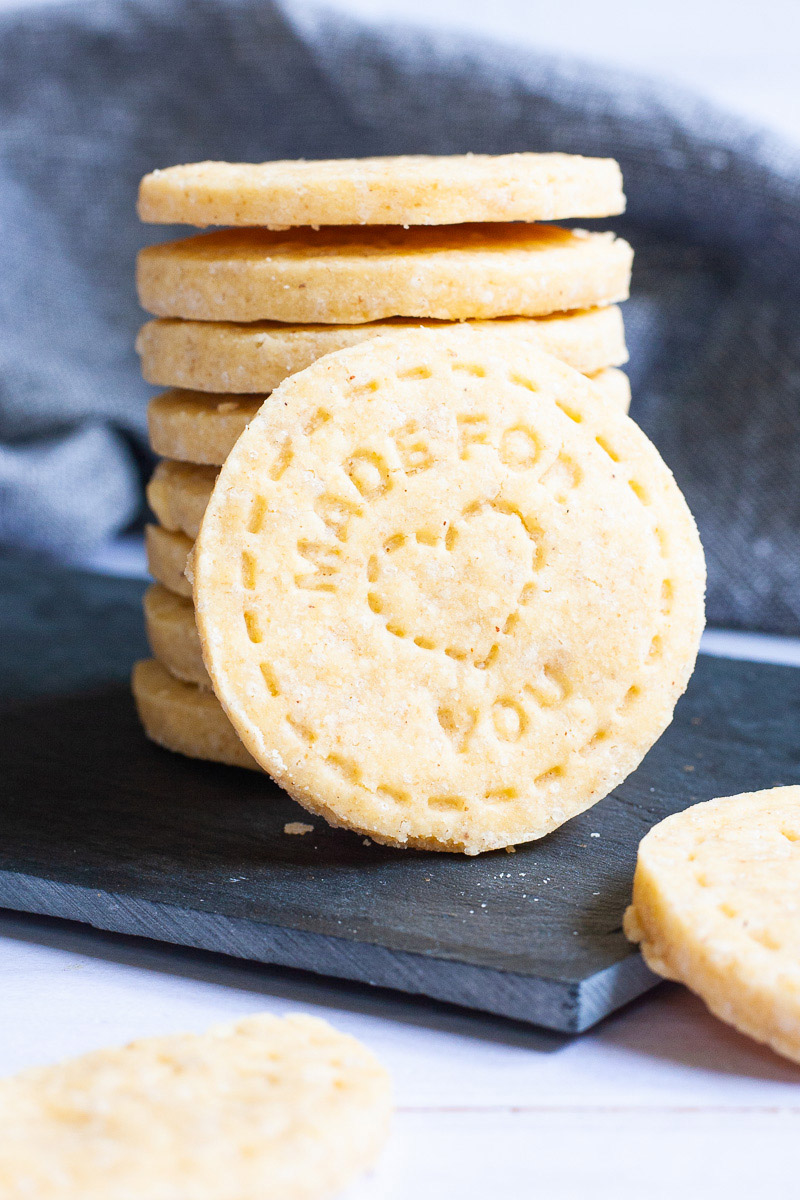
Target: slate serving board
(99,826)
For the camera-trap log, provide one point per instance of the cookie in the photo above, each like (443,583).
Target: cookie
(198,428)
(178,493)
(219,356)
(716,904)
(350,276)
(408,190)
(167,554)
(185,717)
(446,598)
(172,634)
(614,386)
(269,1108)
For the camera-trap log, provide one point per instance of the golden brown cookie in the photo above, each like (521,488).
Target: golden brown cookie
(615,386)
(446,598)
(219,356)
(172,634)
(178,493)
(716,898)
(199,428)
(408,190)
(167,555)
(184,717)
(196,427)
(349,276)
(263,1109)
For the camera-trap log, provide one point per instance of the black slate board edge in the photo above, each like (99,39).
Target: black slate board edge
(564,1006)
(99,826)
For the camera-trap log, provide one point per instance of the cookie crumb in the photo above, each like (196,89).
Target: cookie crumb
(298,828)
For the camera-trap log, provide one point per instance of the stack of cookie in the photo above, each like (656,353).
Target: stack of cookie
(323,256)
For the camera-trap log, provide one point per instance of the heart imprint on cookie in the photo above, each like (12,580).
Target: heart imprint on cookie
(422,584)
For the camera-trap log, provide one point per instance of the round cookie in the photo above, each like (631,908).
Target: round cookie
(407,190)
(446,598)
(167,556)
(266,1107)
(350,276)
(220,356)
(178,493)
(185,718)
(614,386)
(198,428)
(172,634)
(716,905)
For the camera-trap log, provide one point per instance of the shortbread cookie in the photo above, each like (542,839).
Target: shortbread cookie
(197,428)
(219,356)
(446,597)
(409,190)
(172,634)
(614,386)
(267,1108)
(178,493)
(349,276)
(716,905)
(184,717)
(167,554)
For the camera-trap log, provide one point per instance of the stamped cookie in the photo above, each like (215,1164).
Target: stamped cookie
(267,1108)
(446,598)
(172,634)
(185,717)
(716,905)
(349,276)
(198,428)
(178,492)
(408,190)
(167,555)
(219,356)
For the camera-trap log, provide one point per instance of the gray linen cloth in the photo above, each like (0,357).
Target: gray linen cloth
(94,95)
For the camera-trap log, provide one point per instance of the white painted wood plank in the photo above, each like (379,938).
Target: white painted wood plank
(81,989)
(623,1155)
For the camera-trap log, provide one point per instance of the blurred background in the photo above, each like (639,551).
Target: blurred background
(741,53)
(744,54)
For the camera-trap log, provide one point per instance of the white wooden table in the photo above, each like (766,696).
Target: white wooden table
(661,1100)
